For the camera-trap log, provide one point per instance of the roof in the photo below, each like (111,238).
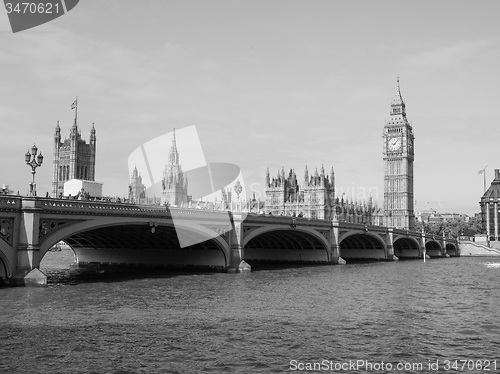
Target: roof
(493,193)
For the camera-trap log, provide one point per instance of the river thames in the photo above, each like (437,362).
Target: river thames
(410,315)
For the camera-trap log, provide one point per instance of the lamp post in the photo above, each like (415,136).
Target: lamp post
(34,161)
(238,188)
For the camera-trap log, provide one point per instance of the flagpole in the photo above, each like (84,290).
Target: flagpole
(76,109)
(484,178)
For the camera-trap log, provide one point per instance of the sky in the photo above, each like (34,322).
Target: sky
(282,83)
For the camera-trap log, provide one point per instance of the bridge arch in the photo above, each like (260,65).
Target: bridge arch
(278,243)
(115,241)
(362,245)
(5,265)
(451,249)
(433,248)
(406,247)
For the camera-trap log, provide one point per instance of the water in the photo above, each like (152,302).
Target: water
(404,312)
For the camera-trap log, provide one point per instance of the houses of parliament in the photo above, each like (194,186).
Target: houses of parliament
(74,158)
(312,196)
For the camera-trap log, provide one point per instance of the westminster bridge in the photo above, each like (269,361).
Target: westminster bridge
(108,234)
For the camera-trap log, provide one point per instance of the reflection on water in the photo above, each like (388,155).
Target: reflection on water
(251,323)
(492,264)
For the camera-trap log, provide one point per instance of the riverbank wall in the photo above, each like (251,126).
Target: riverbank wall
(480,250)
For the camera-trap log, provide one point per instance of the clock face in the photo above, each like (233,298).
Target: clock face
(394,144)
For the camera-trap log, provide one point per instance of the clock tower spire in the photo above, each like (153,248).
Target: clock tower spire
(398,105)
(398,159)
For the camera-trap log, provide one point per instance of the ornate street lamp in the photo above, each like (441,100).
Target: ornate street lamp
(34,161)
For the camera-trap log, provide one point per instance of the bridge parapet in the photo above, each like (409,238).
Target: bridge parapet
(10,202)
(92,207)
(287,220)
(362,226)
(64,206)
(404,232)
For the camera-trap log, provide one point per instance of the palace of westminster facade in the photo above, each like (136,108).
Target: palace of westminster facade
(312,197)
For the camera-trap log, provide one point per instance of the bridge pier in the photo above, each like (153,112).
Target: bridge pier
(443,247)
(236,254)
(334,254)
(422,245)
(389,240)
(27,271)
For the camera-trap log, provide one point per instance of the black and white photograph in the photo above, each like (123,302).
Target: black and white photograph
(249,186)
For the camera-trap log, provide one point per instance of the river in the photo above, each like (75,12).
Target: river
(410,315)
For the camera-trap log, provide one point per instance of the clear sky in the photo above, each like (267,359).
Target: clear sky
(267,84)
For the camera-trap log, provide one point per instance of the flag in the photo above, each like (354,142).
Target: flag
(481,171)
(73,106)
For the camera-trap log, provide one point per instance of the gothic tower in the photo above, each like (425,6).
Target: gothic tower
(280,190)
(136,189)
(73,158)
(319,194)
(315,199)
(174,183)
(398,161)
(55,173)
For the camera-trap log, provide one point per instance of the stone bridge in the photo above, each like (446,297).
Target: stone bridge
(107,234)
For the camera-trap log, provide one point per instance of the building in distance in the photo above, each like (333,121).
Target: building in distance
(315,198)
(174,182)
(74,162)
(489,208)
(136,189)
(399,155)
(5,190)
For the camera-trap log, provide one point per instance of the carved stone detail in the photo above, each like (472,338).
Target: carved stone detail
(247,229)
(6,230)
(325,233)
(46,226)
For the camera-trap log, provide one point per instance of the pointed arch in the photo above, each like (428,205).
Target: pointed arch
(361,245)
(112,240)
(406,247)
(279,243)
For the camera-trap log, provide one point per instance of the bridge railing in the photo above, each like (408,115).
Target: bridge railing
(10,202)
(100,207)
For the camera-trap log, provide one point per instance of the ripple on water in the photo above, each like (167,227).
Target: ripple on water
(258,322)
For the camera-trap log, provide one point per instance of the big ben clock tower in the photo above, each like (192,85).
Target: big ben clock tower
(398,162)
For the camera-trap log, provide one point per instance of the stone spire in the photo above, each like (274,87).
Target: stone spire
(398,105)
(174,183)
(173,157)
(57,134)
